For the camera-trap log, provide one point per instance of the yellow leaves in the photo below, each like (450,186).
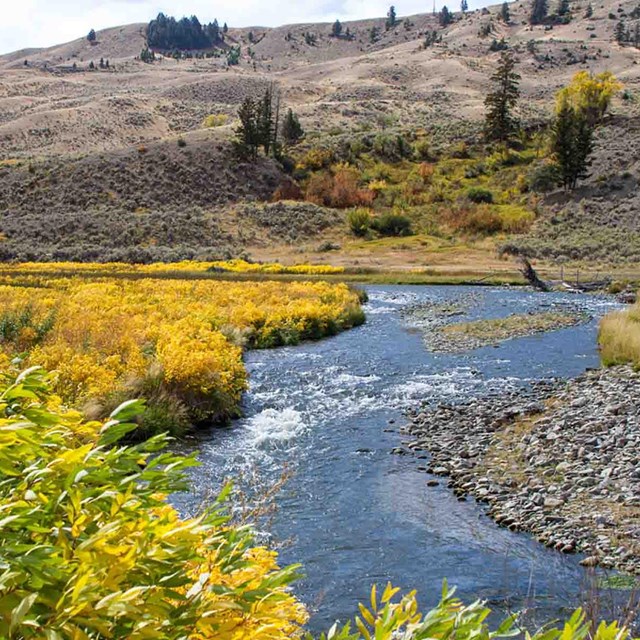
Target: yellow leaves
(178,339)
(590,94)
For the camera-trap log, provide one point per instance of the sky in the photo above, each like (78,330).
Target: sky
(44,23)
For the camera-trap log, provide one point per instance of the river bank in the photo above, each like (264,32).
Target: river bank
(560,460)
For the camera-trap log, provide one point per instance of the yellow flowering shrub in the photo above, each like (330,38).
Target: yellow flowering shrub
(176,342)
(113,268)
(91,549)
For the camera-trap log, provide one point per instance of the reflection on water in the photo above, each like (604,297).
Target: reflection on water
(356,514)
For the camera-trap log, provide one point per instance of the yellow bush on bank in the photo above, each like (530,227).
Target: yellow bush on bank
(177,343)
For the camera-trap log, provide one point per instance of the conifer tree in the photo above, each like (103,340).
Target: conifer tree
(620,33)
(91,36)
(464,6)
(505,14)
(446,17)
(564,8)
(291,128)
(248,133)
(589,11)
(336,29)
(571,144)
(500,123)
(391,18)
(539,9)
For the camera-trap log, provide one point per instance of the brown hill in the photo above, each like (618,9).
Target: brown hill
(68,133)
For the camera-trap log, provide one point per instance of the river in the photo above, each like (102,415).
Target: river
(352,513)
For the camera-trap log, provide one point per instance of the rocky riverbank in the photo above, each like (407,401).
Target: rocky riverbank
(560,460)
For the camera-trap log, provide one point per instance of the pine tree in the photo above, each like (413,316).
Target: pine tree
(505,14)
(91,36)
(620,33)
(265,121)
(248,134)
(539,9)
(291,128)
(571,144)
(464,6)
(102,63)
(391,18)
(91,65)
(500,123)
(446,17)
(636,36)
(589,11)
(336,29)
(564,8)
(225,28)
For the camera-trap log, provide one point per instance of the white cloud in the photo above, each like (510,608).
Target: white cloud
(43,23)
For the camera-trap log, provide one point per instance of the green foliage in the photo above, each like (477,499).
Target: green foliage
(168,34)
(543,177)
(464,6)
(446,17)
(259,125)
(479,195)
(539,10)
(90,549)
(392,20)
(500,123)
(571,143)
(336,29)
(292,130)
(392,224)
(505,15)
(91,36)
(359,221)
(498,45)
(233,56)
(432,37)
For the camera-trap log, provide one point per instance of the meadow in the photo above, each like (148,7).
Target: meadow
(177,343)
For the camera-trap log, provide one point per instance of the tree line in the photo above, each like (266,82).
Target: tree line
(167,33)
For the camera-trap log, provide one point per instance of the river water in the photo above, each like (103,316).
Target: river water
(352,513)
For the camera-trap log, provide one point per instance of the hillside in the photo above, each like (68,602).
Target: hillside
(57,121)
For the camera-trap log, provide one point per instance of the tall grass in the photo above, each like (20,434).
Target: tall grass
(620,338)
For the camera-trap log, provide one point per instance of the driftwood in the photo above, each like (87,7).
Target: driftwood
(530,275)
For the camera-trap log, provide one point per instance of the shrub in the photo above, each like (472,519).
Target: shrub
(619,337)
(479,195)
(391,147)
(94,550)
(182,142)
(359,221)
(346,192)
(287,190)
(543,177)
(392,224)
(422,150)
(215,120)
(318,189)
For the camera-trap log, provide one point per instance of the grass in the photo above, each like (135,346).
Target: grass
(485,332)
(620,338)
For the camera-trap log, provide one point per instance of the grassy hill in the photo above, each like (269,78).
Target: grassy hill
(68,136)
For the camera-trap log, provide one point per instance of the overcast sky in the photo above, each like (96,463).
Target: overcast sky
(43,23)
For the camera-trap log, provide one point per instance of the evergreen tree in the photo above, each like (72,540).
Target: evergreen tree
(500,123)
(266,121)
(589,11)
(102,63)
(505,14)
(391,18)
(464,6)
(374,34)
(620,33)
(636,36)
(336,29)
(539,9)
(564,8)
(91,65)
(91,36)
(291,128)
(446,17)
(571,143)
(225,28)
(248,132)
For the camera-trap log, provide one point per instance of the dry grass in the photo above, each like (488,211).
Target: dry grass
(620,337)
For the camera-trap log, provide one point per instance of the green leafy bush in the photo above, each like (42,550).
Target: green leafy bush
(479,195)
(392,224)
(359,221)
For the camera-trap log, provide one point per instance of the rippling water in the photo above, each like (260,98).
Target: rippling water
(354,514)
